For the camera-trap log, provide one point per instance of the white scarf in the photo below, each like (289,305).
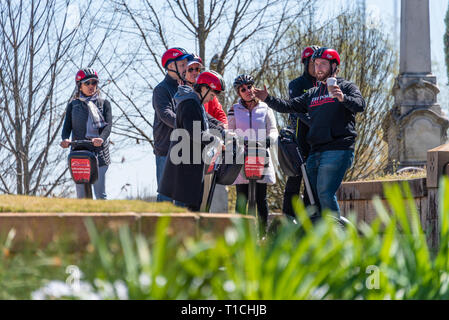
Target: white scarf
(97,117)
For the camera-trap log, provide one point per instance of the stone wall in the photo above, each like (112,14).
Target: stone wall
(356,197)
(44,228)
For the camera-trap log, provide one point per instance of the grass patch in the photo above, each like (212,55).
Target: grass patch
(13,203)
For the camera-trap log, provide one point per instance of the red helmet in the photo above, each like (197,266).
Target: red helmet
(86,74)
(173,54)
(212,79)
(308,52)
(328,54)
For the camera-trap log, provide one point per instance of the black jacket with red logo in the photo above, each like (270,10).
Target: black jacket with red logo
(332,122)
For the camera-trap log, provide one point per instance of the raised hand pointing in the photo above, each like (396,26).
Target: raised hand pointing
(261,94)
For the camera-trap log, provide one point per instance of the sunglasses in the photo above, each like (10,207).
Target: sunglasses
(88,83)
(243,89)
(194,69)
(216,92)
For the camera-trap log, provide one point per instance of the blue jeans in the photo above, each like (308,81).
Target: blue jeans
(326,171)
(160,165)
(99,186)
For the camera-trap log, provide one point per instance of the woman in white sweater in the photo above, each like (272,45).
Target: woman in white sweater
(253,119)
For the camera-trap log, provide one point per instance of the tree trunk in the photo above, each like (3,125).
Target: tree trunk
(202,36)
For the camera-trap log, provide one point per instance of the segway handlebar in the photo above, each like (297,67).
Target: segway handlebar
(247,142)
(82,145)
(79,142)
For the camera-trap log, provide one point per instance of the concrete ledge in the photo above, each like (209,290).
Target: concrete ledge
(366,190)
(44,228)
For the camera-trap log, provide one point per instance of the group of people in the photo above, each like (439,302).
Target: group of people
(322,116)
(188,95)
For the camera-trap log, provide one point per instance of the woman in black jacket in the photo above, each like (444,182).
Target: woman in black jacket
(183,178)
(89,117)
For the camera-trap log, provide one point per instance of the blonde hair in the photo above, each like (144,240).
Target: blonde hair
(243,102)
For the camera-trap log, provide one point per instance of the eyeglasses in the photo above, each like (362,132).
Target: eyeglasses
(194,69)
(93,82)
(243,89)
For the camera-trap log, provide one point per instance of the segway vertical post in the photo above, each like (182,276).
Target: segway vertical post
(83,165)
(210,196)
(255,156)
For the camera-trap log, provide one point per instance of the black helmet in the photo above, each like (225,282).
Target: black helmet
(243,79)
(86,74)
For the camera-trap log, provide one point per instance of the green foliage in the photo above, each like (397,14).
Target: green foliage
(388,259)
(21,273)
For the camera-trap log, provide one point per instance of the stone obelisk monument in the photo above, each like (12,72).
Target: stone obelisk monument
(416,123)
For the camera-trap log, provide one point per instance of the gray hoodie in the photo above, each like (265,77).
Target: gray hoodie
(185,93)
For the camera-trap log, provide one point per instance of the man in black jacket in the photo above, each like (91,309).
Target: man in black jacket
(297,122)
(332,132)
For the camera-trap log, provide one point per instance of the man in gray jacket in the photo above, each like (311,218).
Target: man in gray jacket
(174,60)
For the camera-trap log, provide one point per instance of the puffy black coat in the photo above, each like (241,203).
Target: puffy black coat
(184,181)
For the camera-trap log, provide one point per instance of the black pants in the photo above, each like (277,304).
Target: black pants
(292,188)
(261,200)
(194,207)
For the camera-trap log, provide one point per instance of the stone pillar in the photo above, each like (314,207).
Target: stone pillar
(416,123)
(415,55)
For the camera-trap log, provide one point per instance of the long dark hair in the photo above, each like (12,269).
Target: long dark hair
(77,91)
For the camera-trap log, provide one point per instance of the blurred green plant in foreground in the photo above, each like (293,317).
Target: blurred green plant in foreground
(388,259)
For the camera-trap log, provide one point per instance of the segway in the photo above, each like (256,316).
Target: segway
(223,173)
(83,165)
(254,166)
(292,163)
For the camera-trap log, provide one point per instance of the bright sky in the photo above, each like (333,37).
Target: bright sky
(139,169)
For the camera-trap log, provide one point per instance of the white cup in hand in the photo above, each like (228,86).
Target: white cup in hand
(331,83)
